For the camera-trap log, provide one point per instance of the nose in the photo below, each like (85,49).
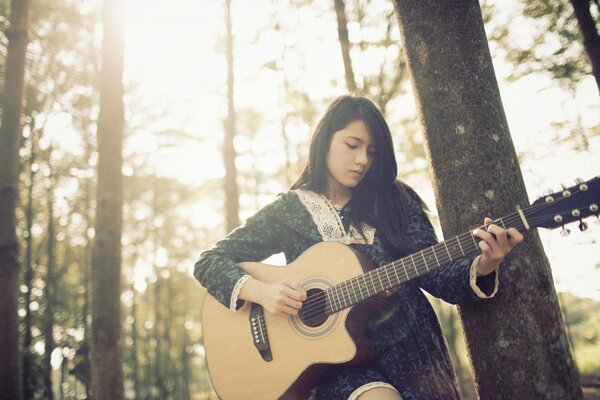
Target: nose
(362,157)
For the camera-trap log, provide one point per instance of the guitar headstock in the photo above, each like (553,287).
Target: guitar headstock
(569,205)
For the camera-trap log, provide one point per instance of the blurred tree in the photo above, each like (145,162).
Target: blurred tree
(555,43)
(60,75)
(10,130)
(378,45)
(107,375)
(589,32)
(50,290)
(470,148)
(29,383)
(342,23)
(231,185)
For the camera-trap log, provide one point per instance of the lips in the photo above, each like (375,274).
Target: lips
(357,173)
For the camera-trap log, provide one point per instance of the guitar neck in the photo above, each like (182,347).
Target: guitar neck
(362,287)
(552,211)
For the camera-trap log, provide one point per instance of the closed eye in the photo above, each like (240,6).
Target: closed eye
(352,146)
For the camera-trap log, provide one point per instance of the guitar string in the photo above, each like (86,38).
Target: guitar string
(316,305)
(417,270)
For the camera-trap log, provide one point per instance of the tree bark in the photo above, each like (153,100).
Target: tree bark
(134,345)
(231,186)
(10,131)
(516,341)
(48,324)
(591,39)
(342,24)
(28,378)
(107,374)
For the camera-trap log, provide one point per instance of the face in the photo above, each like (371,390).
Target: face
(350,156)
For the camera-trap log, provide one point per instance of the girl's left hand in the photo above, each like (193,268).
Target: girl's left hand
(495,244)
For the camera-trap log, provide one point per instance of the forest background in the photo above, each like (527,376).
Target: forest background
(287,65)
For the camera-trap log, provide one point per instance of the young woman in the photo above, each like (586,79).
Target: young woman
(348,192)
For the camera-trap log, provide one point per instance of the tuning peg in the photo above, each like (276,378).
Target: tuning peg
(547,192)
(583,226)
(582,185)
(565,231)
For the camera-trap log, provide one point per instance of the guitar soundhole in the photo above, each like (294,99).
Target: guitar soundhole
(313,312)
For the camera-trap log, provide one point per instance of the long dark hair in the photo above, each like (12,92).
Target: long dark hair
(380,199)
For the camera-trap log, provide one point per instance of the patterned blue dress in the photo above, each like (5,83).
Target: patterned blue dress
(411,353)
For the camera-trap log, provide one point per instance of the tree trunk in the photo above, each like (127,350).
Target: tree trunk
(10,130)
(342,24)
(517,340)
(134,345)
(85,281)
(107,374)
(591,39)
(48,326)
(231,187)
(28,378)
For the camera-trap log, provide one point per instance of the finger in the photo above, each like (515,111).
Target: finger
(289,310)
(514,237)
(293,303)
(487,221)
(500,236)
(485,237)
(486,250)
(296,292)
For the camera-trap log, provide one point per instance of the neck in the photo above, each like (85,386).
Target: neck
(338,199)
(337,194)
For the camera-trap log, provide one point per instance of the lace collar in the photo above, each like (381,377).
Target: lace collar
(328,221)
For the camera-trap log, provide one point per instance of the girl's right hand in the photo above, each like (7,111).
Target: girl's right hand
(282,299)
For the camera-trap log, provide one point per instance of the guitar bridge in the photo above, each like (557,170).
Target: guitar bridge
(258,329)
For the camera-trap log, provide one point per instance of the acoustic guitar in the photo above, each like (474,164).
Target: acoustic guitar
(256,356)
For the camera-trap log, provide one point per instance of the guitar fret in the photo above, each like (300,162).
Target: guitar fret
(405,271)
(353,290)
(388,277)
(346,295)
(446,247)
(395,272)
(424,260)
(372,283)
(436,259)
(459,245)
(414,265)
(362,285)
(380,280)
(336,299)
(344,302)
(474,241)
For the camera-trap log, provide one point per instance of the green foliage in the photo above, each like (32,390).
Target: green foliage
(551,44)
(582,317)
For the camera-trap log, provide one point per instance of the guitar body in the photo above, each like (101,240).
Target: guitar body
(299,352)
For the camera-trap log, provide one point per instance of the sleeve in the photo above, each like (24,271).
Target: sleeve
(457,282)
(258,238)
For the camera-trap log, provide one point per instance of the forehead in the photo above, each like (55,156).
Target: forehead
(356,130)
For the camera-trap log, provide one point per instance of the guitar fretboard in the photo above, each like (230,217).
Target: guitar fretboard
(362,287)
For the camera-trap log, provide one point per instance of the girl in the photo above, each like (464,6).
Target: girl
(348,192)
